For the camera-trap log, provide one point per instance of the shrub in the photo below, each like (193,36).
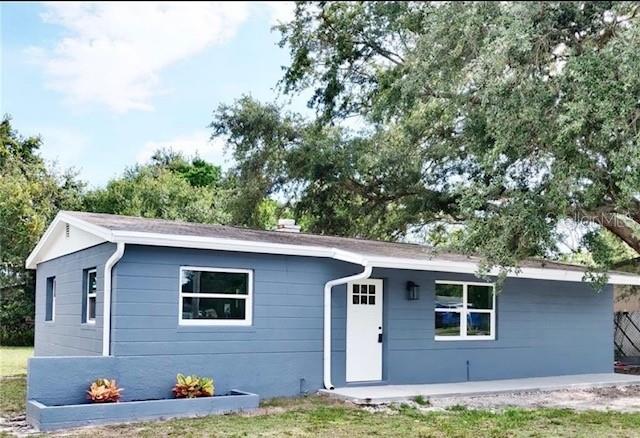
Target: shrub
(104,391)
(419,399)
(16,315)
(193,386)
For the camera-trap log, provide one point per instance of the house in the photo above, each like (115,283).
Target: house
(281,313)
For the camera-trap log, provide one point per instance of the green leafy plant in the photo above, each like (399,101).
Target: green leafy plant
(193,386)
(104,391)
(419,399)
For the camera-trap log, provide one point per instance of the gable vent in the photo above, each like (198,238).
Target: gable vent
(66,230)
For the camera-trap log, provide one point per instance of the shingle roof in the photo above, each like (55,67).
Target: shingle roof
(363,247)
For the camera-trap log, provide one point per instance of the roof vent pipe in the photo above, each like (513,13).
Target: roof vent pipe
(287,226)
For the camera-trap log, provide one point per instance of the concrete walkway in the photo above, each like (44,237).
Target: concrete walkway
(387,393)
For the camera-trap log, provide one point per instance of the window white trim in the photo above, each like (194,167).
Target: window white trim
(53,300)
(248,312)
(464,311)
(90,295)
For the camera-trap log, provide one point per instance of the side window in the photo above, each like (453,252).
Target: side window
(464,311)
(50,309)
(89,295)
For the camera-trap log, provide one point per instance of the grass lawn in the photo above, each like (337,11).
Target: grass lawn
(13,360)
(319,416)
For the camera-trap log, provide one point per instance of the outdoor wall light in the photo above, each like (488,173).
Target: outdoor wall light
(413,291)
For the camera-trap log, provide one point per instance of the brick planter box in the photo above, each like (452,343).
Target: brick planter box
(48,418)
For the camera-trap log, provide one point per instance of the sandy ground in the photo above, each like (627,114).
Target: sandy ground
(617,398)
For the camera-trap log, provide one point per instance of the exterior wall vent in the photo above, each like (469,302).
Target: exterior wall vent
(66,230)
(287,226)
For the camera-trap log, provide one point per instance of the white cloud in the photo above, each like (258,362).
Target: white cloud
(197,143)
(281,12)
(113,52)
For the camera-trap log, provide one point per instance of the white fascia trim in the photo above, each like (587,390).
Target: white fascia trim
(33,260)
(182,241)
(222,244)
(472,268)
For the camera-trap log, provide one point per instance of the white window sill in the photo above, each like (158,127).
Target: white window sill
(464,338)
(215,323)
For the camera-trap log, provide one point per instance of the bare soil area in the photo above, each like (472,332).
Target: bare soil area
(615,398)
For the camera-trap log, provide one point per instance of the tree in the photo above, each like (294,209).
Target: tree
(30,195)
(509,117)
(169,187)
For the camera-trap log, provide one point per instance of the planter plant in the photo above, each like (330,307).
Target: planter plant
(193,386)
(104,391)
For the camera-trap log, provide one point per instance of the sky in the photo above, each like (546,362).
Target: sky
(106,84)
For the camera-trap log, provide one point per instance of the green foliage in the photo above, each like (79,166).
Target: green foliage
(419,399)
(169,188)
(193,386)
(30,196)
(509,117)
(198,172)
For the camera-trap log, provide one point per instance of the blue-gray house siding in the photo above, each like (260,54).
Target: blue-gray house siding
(543,328)
(66,335)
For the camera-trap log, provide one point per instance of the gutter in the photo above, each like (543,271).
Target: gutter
(327,318)
(106,313)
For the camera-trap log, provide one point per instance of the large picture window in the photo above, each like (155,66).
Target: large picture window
(464,311)
(215,296)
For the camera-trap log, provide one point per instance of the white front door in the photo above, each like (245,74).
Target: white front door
(364,331)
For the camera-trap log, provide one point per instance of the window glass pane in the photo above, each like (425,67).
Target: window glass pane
(234,283)
(91,282)
(356,288)
(447,324)
(92,308)
(448,296)
(213,308)
(372,289)
(372,300)
(356,299)
(51,285)
(479,297)
(478,324)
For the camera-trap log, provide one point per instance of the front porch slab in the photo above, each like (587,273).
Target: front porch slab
(390,393)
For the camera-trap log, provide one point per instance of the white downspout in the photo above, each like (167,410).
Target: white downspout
(106,313)
(327,318)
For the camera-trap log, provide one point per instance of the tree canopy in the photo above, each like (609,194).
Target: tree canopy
(508,117)
(31,193)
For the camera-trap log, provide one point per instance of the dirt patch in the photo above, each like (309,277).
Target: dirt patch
(615,398)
